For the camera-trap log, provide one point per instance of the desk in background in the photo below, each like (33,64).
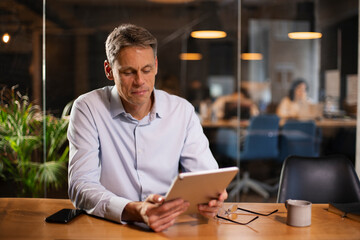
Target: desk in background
(338,134)
(233,123)
(24,219)
(322,123)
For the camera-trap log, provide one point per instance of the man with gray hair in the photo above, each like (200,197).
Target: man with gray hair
(128,141)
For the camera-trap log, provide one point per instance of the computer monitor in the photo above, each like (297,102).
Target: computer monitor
(221,85)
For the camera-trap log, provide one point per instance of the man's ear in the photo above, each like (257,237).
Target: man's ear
(108,70)
(156,65)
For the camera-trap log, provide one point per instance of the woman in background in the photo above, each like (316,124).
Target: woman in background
(291,106)
(225,107)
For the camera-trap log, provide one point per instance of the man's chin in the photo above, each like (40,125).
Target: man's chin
(140,101)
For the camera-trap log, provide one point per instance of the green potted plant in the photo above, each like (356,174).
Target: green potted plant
(22,148)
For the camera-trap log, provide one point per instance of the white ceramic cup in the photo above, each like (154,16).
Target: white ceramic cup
(298,213)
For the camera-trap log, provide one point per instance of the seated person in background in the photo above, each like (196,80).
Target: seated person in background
(225,107)
(293,106)
(118,167)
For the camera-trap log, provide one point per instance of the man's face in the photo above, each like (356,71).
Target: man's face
(134,73)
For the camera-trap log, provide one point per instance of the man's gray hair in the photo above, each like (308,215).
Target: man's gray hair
(127,35)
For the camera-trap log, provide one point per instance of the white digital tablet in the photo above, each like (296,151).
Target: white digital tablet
(200,187)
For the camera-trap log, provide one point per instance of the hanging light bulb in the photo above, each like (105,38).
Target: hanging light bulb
(192,53)
(251,56)
(305,12)
(210,27)
(208,34)
(190,56)
(304,35)
(6,38)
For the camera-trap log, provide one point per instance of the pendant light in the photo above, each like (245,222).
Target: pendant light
(251,56)
(305,12)
(210,27)
(192,51)
(250,51)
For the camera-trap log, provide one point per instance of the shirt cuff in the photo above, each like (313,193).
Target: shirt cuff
(115,208)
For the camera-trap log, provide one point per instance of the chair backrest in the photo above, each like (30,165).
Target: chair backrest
(261,141)
(319,180)
(227,142)
(300,138)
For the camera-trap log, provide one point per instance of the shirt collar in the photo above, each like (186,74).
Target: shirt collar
(117,108)
(158,107)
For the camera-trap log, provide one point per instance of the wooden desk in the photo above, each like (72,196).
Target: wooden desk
(24,219)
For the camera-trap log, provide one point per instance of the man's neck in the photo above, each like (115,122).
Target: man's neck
(139,112)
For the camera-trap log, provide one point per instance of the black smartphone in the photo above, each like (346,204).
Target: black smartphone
(64,215)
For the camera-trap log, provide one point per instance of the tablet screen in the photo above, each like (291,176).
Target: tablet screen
(200,187)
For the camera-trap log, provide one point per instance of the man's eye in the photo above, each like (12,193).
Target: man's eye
(127,73)
(147,70)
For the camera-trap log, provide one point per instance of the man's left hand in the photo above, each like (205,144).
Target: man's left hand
(211,209)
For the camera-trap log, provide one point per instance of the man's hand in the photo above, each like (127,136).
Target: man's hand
(211,209)
(156,213)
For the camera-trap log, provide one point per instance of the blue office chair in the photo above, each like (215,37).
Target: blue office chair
(301,138)
(260,143)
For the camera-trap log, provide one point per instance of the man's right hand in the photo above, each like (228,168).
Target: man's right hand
(155,212)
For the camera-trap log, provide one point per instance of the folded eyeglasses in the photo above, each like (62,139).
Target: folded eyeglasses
(230,214)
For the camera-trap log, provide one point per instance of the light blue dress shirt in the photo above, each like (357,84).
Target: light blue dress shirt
(116,159)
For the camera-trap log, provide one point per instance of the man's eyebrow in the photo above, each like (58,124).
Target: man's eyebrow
(124,68)
(148,65)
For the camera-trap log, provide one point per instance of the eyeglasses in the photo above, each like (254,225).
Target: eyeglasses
(233,221)
(231,215)
(261,214)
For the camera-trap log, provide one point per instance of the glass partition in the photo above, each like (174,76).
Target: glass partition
(296,63)
(229,80)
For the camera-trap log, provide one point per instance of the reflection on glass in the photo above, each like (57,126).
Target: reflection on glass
(76,31)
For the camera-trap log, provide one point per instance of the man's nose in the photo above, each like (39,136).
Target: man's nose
(139,79)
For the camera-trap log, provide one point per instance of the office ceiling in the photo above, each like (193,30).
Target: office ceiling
(98,14)
(163,19)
